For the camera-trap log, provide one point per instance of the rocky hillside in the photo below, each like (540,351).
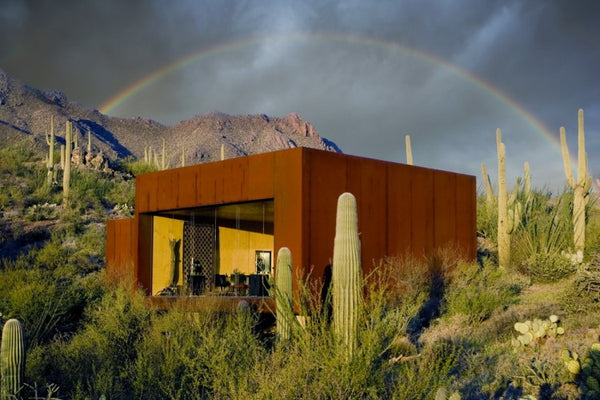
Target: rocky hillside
(26,112)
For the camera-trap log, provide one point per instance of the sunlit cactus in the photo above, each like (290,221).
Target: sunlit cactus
(67,163)
(509,209)
(409,157)
(12,359)
(581,187)
(50,157)
(284,293)
(346,273)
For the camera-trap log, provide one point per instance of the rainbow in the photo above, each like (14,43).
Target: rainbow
(156,75)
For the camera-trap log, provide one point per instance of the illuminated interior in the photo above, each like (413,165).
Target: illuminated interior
(225,250)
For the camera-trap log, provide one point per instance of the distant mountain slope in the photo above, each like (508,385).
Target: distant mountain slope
(26,111)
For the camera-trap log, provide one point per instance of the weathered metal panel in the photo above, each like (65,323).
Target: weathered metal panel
(289,217)
(422,213)
(327,175)
(466,215)
(187,187)
(120,251)
(445,209)
(399,206)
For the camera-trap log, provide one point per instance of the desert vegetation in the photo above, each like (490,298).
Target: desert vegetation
(429,328)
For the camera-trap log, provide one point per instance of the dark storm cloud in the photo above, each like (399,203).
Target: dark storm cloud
(542,55)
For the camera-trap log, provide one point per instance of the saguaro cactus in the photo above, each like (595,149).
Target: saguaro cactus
(581,186)
(409,157)
(284,293)
(489,192)
(12,359)
(67,161)
(509,209)
(346,273)
(50,159)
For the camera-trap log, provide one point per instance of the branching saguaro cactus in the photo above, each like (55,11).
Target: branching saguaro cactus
(67,163)
(50,158)
(581,187)
(509,209)
(409,157)
(12,359)
(346,273)
(284,293)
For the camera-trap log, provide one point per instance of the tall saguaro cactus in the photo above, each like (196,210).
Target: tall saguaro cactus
(509,209)
(50,160)
(346,273)
(67,161)
(284,293)
(12,359)
(581,186)
(409,157)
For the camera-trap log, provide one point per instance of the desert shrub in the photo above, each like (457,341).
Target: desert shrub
(547,267)
(544,237)
(136,167)
(487,219)
(584,292)
(477,291)
(95,360)
(46,304)
(436,367)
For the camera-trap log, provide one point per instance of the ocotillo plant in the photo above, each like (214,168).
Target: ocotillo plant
(50,159)
(581,186)
(509,210)
(409,157)
(346,273)
(12,359)
(284,293)
(67,162)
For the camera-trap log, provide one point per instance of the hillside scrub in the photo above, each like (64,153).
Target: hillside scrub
(424,325)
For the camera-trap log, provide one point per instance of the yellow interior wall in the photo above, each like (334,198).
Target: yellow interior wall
(165,229)
(237,249)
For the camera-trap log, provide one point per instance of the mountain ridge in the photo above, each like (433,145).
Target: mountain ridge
(25,111)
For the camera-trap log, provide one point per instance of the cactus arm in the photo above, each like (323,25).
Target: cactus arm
(409,157)
(222,151)
(489,192)
(565,156)
(581,156)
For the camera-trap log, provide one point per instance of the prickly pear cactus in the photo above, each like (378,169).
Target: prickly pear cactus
(531,332)
(346,273)
(284,292)
(585,372)
(12,359)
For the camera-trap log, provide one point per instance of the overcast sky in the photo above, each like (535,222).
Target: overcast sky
(364,73)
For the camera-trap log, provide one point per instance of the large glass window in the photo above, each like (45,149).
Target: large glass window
(221,250)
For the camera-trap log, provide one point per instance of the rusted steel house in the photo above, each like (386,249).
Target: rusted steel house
(221,223)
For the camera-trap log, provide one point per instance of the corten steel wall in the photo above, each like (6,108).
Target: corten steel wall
(401,208)
(120,249)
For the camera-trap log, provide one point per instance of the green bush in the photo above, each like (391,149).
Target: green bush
(477,291)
